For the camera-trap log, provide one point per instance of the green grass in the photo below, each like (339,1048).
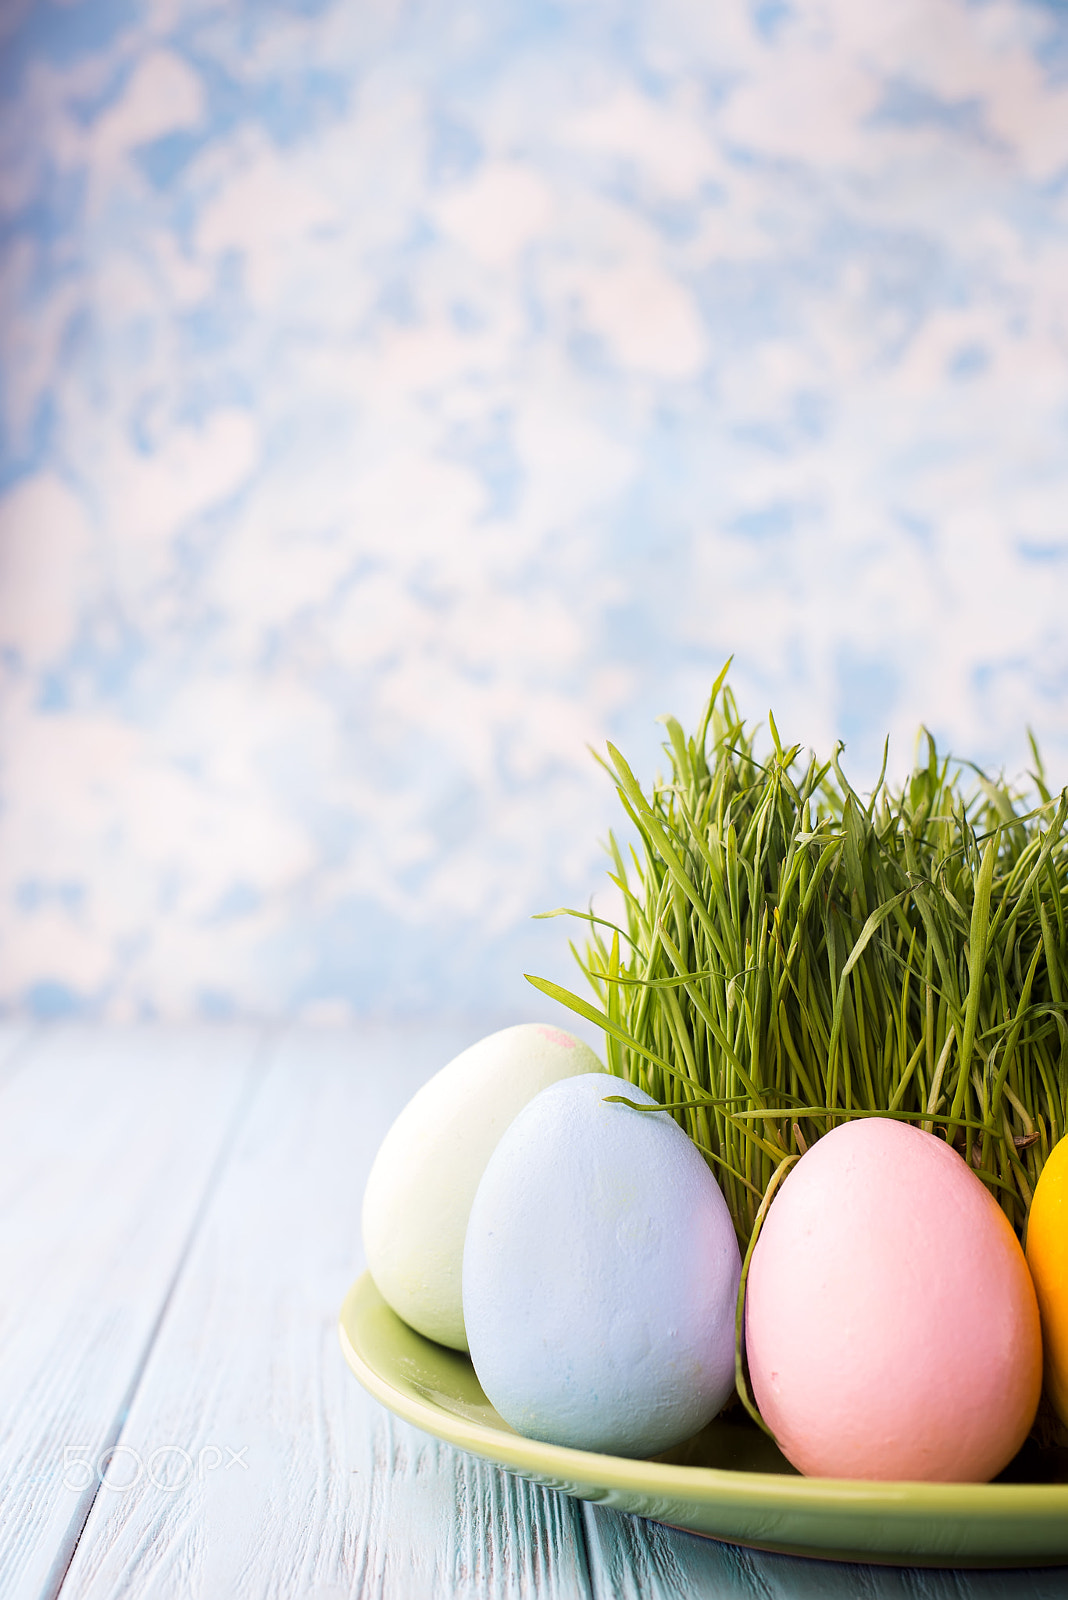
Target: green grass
(793,955)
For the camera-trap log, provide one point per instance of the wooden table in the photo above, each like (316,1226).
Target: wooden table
(180,1220)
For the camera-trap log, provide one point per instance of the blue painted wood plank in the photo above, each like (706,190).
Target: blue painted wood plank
(332,1496)
(108,1141)
(632,1559)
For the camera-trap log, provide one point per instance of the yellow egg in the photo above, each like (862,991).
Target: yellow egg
(1047,1256)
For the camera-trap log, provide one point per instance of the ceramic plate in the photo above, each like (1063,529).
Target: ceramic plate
(729,1482)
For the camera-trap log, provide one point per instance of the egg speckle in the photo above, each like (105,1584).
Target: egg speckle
(891,1326)
(601,1274)
(427,1169)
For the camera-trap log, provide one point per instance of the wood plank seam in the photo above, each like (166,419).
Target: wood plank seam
(256,1073)
(338,1499)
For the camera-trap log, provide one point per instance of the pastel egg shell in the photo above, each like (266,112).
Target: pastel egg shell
(601,1275)
(1047,1259)
(424,1177)
(891,1326)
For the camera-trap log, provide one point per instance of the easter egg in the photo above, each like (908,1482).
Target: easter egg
(427,1169)
(1047,1256)
(601,1275)
(891,1326)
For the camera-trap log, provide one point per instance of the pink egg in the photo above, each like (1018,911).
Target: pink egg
(891,1324)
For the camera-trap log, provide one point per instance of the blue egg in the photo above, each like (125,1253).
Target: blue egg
(600,1275)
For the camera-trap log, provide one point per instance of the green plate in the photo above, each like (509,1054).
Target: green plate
(729,1482)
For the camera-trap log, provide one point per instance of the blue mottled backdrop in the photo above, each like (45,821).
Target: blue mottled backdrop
(399,397)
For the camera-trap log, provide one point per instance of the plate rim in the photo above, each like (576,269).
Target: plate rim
(893,1500)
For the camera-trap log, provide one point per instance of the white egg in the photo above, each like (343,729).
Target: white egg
(601,1275)
(425,1174)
